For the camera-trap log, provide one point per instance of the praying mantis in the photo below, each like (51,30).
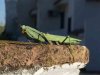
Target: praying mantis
(50,38)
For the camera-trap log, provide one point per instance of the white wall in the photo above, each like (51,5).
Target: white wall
(77,12)
(44,22)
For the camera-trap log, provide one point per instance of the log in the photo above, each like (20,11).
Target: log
(15,55)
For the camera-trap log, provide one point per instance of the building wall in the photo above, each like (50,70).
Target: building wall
(76,11)
(92,34)
(23,9)
(18,12)
(45,22)
(86,15)
(11,13)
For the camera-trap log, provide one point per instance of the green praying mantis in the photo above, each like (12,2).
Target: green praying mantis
(50,38)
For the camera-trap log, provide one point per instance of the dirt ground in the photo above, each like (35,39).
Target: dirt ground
(15,55)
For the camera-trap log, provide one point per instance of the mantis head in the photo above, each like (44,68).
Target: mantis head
(23,28)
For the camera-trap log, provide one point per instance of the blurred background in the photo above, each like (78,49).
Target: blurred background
(79,18)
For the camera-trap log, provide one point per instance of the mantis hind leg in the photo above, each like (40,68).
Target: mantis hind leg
(65,39)
(46,39)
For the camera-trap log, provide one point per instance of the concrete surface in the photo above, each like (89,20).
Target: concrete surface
(65,69)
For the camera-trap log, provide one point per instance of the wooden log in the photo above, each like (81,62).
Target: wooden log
(15,55)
